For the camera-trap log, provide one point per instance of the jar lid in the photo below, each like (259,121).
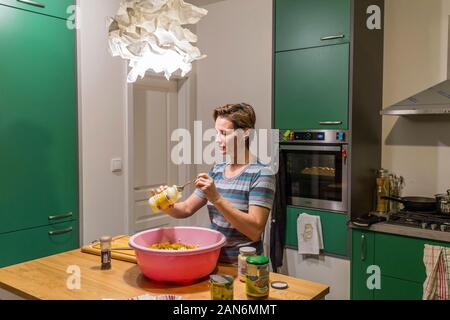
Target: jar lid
(280,285)
(106,239)
(221,279)
(258,260)
(247,250)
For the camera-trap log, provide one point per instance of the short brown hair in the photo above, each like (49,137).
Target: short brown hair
(241,115)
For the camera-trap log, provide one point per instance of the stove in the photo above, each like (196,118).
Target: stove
(422,220)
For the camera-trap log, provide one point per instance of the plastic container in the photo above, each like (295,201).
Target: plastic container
(162,201)
(180,265)
(244,253)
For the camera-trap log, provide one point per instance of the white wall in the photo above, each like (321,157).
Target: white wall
(237,37)
(416,46)
(102,99)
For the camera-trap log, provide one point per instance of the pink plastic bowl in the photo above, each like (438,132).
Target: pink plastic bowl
(178,266)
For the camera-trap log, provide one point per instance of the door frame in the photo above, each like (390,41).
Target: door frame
(186,115)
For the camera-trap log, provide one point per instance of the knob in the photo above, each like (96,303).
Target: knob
(433,226)
(424,225)
(443,227)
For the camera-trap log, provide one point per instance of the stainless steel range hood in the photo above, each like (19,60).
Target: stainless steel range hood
(435,100)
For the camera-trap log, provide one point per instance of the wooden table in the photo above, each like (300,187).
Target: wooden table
(47,279)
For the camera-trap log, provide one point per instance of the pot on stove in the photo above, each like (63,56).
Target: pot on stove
(443,203)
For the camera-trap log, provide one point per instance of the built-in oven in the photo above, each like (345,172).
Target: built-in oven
(316,168)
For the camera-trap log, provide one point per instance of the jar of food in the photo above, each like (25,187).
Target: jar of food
(221,287)
(165,199)
(257,280)
(244,253)
(382,190)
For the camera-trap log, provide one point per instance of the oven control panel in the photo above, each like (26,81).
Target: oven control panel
(314,136)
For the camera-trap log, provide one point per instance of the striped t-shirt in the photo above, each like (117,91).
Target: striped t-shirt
(254,185)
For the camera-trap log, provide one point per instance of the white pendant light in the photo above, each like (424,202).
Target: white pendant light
(150,35)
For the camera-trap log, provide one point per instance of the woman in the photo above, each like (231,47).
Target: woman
(239,194)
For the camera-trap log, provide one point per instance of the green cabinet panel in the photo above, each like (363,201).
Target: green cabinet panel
(398,289)
(31,244)
(304,23)
(334,229)
(362,256)
(56,8)
(400,260)
(312,88)
(38,120)
(402,257)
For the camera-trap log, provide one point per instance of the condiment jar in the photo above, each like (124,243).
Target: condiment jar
(244,253)
(162,201)
(221,287)
(382,190)
(257,280)
(105,247)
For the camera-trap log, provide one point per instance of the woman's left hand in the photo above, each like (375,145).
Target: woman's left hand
(205,183)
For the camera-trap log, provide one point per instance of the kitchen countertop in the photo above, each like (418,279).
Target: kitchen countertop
(407,231)
(46,278)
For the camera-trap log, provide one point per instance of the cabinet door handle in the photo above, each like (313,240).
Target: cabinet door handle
(363,247)
(339,36)
(330,123)
(63,216)
(32,3)
(58,232)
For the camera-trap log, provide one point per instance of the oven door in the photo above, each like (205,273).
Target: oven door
(316,176)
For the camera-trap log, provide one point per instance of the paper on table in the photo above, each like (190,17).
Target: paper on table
(150,35)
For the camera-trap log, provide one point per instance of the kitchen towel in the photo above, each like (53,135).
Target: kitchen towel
(278,216)
(437,264)
(309,234)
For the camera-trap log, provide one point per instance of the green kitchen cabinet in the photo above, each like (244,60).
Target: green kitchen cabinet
(408,251)
(400,261)
(362,257)
(334,229)
(58,8)
(312,88)
(38,121)
(311,23)
(39,242)
(398,289)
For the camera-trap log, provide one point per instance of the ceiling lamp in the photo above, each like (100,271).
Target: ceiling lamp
(150,35)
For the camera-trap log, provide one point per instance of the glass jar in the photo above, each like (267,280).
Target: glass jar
(163,200)
(383,182)
(257,280)
(244,253)
(105,247)
(221,287)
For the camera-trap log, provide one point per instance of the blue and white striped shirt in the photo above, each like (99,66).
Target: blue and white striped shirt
(254,185)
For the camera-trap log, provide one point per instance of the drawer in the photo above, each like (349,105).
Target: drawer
(334,229)
(397,289)
(56,8)
(402,257)
(36,243)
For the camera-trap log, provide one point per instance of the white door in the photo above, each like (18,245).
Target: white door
(155,117)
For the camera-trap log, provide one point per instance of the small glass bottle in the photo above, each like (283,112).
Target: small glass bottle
(163,200)
(244,253)
(383,182)
(105,245)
